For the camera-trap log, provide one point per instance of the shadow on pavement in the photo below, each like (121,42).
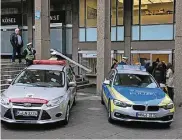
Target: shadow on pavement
(140,125)
(33,127)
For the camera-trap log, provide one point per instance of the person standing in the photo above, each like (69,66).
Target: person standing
(17,44)
(124,61)
(29,54)
(114,64)
(170,81)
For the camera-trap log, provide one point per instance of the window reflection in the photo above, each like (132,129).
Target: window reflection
(91,13)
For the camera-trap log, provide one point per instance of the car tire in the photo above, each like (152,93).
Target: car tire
(109,113)
(102,100)
(74,101)
(66,120)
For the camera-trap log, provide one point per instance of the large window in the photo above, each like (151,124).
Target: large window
(88,20)
(153,20)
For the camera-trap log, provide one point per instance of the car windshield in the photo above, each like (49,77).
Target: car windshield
(135,80)
(41,78)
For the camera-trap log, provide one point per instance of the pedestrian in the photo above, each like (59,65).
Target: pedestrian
(17,44)
(159,74)
(170,80)
(114,64)
(29,54)
(155,63)
(124,61)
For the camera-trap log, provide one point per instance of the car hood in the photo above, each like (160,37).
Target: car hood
(35,92)
(150,96)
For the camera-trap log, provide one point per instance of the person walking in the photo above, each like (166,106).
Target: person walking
(17,44)
(159,74)
(170,80)
(29,54)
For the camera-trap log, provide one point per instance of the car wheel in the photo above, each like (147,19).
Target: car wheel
(66,120)
(102,100)
(109,113)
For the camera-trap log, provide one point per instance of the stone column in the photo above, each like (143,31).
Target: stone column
(178,52)
(75,31)
(42,29)
(103,42)
(30,20)
(128,4)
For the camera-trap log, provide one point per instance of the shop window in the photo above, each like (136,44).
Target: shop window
(82,13)
(113,12)
(91,34)
(157,12)
(113,33)
(91,13)
(82,34)
(162,57)
(120,12)
(135,32)
(136,12)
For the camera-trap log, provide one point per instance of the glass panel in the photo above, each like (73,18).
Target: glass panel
(113,33)
(82,13)
(136,12)
(162,57)
(174,31)
(91,34)
(157,12)
(140,58)
(113,13)
(157,32)
(25,37)
(82,34)
(135,32)
(69,40)
(120,12)
(91,13)
(120,33)
(56,39)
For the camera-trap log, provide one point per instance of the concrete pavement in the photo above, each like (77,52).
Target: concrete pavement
(89,120)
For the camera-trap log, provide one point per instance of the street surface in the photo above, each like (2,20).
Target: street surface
(88,120)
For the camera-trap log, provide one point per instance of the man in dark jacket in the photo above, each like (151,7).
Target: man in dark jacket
(114,64)
(29,54)
(124,61)
(17,44)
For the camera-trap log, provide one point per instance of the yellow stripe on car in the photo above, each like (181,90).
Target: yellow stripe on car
(165,101)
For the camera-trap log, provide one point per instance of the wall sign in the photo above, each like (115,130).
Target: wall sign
(15,19)
(57,17)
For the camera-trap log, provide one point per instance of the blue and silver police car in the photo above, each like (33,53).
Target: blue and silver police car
(132,94)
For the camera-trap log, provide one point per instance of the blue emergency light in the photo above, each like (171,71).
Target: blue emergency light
(131,67)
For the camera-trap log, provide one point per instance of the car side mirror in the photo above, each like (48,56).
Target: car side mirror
(72,84)
(9,81)
(107,82)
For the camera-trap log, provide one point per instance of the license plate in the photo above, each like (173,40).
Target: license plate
(146,115)
(27,113)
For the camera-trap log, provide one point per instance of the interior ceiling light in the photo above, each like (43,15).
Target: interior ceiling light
(121,1)
(136,2)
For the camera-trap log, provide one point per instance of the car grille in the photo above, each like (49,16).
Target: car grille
(153,108)
(139,107)
(8,114)
(45,116)
(32,104)
(25,117)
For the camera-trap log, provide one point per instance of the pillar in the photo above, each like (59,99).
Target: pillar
(42,29)
(30,20)
(103,42)
(128,4)
(178,52)
(75,31)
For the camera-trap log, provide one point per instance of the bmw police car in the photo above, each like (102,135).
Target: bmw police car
(131,94)
(41,93)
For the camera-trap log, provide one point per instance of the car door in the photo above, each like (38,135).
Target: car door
(106,88)
(71,90)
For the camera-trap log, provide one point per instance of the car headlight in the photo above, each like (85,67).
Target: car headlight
(169,106)
(4,100)
(55,102)
(121,104)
